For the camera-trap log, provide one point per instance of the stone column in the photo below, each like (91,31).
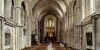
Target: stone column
(28,35)
(16,39)
(57,30)
(1,32)
(1,23)
(18,19)
(39,31)
(94,19)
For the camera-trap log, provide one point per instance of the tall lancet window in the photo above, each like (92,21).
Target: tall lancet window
(50,23)
(53,23)
(47,24)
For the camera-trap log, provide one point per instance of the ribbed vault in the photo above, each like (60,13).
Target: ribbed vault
(54,7)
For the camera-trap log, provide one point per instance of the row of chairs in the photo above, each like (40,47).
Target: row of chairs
(43,46)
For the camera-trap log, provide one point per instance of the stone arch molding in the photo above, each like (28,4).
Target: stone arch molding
(88,28)
(7,30)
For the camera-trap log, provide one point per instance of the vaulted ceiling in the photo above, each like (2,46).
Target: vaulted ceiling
(53,7)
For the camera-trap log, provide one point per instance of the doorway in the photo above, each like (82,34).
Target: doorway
(89,41)
(33,41)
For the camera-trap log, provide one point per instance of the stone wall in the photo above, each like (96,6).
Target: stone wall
(97,6)
(1,7)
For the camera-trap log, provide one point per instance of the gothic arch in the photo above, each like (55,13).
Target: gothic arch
(23,5)
(43,5)
(88,30)
(7,30)
(38,4)
(23,13)
(53,12)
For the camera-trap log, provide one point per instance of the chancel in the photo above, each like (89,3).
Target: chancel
(49,24)
(50,28)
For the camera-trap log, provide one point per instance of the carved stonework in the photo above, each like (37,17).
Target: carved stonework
(10,22)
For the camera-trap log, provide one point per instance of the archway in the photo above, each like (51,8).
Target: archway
(7,39)
(43,8)
(88,38)
(49,29)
